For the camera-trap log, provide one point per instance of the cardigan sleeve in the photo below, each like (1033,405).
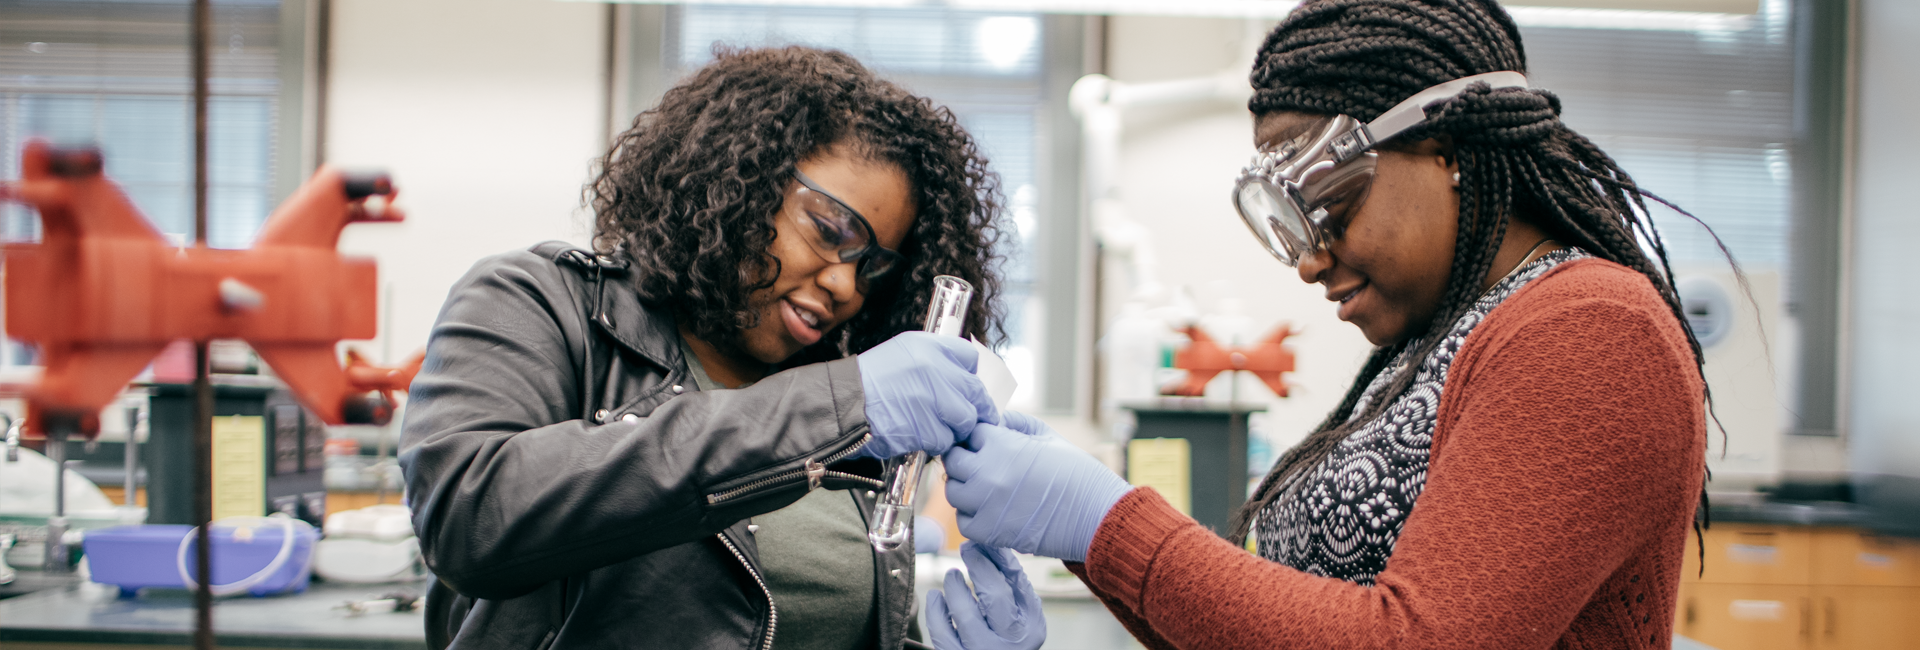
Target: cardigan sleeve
(1138,627)
(1565,441)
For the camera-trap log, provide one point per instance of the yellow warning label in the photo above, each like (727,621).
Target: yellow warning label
(239,466)
(1166,465)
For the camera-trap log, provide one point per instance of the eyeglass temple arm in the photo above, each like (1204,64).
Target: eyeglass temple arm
(1413,110)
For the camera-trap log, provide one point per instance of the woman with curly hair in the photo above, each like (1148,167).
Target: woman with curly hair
(1519,462)
(672,440)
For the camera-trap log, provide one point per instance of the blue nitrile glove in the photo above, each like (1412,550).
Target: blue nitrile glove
(1001,612)
(922,394)
(1029,489)
(928,536)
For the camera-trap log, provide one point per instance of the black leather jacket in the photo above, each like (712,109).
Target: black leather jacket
(572,488)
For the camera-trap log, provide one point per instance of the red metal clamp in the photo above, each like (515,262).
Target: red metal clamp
(103,292)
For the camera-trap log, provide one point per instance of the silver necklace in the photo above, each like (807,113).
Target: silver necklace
(1524,259)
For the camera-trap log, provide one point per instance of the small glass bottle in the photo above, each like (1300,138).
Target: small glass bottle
(893,515)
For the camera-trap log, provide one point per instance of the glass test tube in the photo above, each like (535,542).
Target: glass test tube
(893,515)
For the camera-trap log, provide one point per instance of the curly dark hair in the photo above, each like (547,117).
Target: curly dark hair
(689,193)
(1516,159)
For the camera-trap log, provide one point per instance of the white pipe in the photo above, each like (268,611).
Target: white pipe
(1101,103)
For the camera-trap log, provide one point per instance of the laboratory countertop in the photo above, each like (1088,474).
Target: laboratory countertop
(1812,513)
(27,582)
(90,613)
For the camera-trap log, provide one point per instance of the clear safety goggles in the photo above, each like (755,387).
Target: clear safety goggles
(839,234)
(1296,194)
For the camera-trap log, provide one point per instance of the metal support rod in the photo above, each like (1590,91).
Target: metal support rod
(382,445)
(202,384)
(322,73)
(202,35)
(57,452)
(58,558)
(202,497)
(132,482)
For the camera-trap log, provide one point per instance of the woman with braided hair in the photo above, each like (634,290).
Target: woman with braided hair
(1519,462)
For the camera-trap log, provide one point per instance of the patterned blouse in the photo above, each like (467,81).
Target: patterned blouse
(1342,520)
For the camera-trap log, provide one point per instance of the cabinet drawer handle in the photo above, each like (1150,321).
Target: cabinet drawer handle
(1806,617)
(1833,617)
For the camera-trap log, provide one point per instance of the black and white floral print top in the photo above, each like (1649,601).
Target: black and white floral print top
(1342,519)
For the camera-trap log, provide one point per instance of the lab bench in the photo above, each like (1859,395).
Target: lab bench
(89,615)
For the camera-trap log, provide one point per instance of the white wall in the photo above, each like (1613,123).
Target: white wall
(1177,169)
(1883,427)
(487,112)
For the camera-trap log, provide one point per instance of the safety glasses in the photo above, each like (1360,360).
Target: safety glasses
(839,234)
(1295,195)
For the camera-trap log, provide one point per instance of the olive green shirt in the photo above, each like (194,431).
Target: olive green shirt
(817,562)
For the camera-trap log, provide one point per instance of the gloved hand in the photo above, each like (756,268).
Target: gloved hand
(1029,489)
(1001,612)
(922,394)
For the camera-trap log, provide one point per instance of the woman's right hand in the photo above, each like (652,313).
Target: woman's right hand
(922,394)
(1024,487)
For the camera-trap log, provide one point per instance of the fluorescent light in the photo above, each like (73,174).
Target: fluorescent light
(1198,8)
(1526,16)
(1003,40)
(849,4)
(1679,21)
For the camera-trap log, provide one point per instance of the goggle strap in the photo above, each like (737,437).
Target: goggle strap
(1411,112)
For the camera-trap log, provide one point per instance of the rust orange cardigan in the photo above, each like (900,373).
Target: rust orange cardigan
(1566,465)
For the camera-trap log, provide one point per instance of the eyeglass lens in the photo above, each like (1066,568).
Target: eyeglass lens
(841,235)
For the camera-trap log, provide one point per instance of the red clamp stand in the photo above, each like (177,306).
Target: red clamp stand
(103,292)
(1204,358)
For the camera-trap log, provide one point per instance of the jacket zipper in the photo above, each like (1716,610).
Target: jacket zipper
(858,478)
(773,614)
(814,470)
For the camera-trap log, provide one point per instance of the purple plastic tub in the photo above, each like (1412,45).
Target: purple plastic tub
(138,557)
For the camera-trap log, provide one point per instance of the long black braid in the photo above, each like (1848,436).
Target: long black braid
(1360,58)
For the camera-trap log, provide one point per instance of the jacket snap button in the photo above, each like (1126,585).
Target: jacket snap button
(678,389)
(630,417)
(895,573)
(753,528)
(600,415)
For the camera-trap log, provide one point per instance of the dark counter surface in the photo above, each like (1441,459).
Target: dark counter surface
(95,614)
(27,582)
(1790,513)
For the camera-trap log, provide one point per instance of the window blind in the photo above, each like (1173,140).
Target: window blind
(1703,118)
(115,74)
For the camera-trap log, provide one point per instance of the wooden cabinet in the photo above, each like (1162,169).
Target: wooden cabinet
(1747,617)
(1850,618)
(1783,587)
(1750,554)
(1844,556)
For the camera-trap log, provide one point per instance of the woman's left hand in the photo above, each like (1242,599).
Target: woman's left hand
(1001,612)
